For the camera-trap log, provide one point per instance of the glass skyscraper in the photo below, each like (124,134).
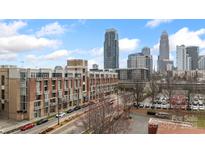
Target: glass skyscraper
(111,49)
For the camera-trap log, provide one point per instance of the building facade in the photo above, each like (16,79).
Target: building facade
(183,60)
(193,52)
(146,51)
(163,58)
(111,49)
(201,63)
(36,93)
(133,74)
(139,60)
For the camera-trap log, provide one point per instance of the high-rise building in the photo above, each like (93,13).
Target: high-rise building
(164,46)
(201,62)
(146,51)
(139,60)
(111,49)
(193,52)
(163,58)
(183,60)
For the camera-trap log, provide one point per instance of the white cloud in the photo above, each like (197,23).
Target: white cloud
(157,22)
(128,45)
(19,43)
(56,55)
(51,56)
(186,37)
(7,57)
(51,29)
(10,29)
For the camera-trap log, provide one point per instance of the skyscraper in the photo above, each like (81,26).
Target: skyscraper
(193,52)
(164,46)
(163,58)
(111,49)
(139,60)
(146,51)
(183,60)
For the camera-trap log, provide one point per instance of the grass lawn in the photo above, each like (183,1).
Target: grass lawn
(201,122)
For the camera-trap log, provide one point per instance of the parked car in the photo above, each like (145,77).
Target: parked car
(70,111)
(84,105)
(158,106)
(147,105)
(77,108)
(201,107)
(164,106)
(151,113)
(41,121)
(194,107)
(27,126)
(152,106)
(163,115)
(61,114)
(141,105)
(135,105)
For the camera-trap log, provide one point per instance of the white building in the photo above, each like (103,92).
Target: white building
(183,60)
(201,62)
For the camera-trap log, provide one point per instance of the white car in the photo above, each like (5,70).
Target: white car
(201,107)
(61,114)
(195,107)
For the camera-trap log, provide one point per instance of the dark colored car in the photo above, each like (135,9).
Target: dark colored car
(27,126)
(135,105)
(77,108)
(152,106)
(41,121)
(70,111)
(84,105)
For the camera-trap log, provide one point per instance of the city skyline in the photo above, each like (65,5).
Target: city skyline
(47,43)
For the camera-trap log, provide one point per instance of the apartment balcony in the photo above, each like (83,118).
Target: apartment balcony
(37,107)
(23,84)
(53,103)
(38,92)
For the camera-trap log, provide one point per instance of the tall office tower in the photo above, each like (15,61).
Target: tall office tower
(139,60)
(111,49)
(163,58)
(201,62)
(183,60)
(146,51)
(193,52)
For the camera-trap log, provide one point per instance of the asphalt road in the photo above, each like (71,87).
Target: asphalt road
(39,128)
(139,124)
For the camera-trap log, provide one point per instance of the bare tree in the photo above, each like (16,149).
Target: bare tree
(154,88)
(169,89)
(137,91)
(105,117)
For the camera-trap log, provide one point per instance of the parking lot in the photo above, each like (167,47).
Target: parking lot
(177,101)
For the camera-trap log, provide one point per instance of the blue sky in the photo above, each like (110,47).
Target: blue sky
(47,43)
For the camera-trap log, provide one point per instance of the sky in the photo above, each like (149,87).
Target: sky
(48,43)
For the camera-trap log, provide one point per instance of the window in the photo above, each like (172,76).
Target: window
(2,94)
(66,84)
(83,78)
(59,84)
(83,87)
(2,80)
(83,70)
(53,84)
(38,97)
(2,107)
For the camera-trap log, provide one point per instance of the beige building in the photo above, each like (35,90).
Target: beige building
(36,93)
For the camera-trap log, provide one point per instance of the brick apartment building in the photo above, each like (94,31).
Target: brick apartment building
(34,93)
